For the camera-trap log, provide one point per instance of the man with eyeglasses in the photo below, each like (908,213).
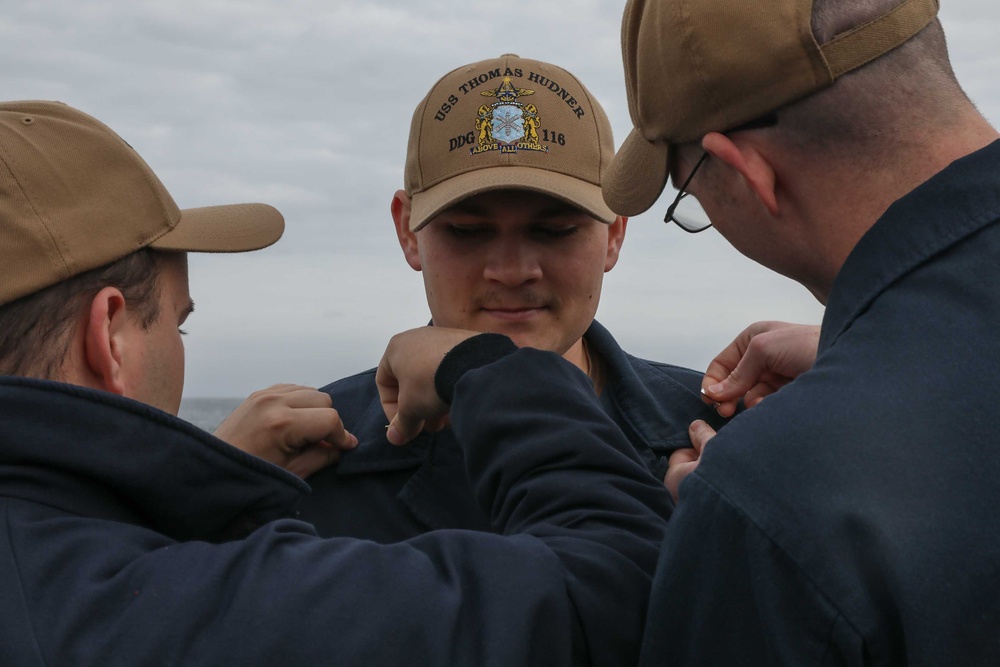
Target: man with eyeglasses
(849,517)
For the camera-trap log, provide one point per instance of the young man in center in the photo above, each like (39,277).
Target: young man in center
(503,215)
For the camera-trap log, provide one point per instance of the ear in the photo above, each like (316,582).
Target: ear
(105,340)
(743,157)
(616,236)
(407,239)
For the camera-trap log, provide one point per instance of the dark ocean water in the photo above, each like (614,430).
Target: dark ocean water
(207,413)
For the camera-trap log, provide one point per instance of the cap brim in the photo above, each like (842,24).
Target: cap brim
(232,228)
(637,175)
(581,194)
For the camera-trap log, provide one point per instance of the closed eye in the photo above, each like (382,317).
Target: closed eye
(554,231)
(467,231)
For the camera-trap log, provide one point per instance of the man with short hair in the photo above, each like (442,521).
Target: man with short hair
(848,517)
(128,536)
(503,216)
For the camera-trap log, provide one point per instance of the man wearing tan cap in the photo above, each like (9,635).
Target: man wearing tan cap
(503,215)
(849,518)
(94,286)
(130,537)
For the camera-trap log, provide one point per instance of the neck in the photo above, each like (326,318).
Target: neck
(588,361)
(845,203)
(577,355)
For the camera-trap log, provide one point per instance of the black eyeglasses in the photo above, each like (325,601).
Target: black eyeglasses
(692,217)
(685,211)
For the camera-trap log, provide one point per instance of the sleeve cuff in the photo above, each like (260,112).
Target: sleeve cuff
(470,354)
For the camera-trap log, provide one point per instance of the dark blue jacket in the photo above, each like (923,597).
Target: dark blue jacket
(852,518)
(129,537)
(386,493)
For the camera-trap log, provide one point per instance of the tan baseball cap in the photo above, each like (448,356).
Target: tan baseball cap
(699,66)
(74,196)
(507,123)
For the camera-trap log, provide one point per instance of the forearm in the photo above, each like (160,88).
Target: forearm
(282,596)
(545,460)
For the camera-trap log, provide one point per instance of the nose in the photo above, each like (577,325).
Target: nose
(512,262)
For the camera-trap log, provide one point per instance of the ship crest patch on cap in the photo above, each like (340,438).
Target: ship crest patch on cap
(507,125)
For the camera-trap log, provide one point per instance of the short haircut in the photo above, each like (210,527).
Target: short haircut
(871,113)
(36,330)
(890,102)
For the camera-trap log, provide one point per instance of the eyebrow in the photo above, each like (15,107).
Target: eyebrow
(187,311)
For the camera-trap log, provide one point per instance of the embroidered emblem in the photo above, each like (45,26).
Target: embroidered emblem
(507,125)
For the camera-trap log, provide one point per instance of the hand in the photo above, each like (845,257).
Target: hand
(289,425)
(405,380)
(764,357)
(683,461)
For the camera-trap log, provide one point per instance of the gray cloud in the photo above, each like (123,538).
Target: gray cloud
(306,105)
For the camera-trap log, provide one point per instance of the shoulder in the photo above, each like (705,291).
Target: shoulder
(350,386)
(686,377)
(351,383)
(353,396)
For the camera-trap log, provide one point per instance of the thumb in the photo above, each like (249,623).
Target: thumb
(402,429)
(742,378)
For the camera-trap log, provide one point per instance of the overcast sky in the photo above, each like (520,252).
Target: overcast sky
(305,105)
